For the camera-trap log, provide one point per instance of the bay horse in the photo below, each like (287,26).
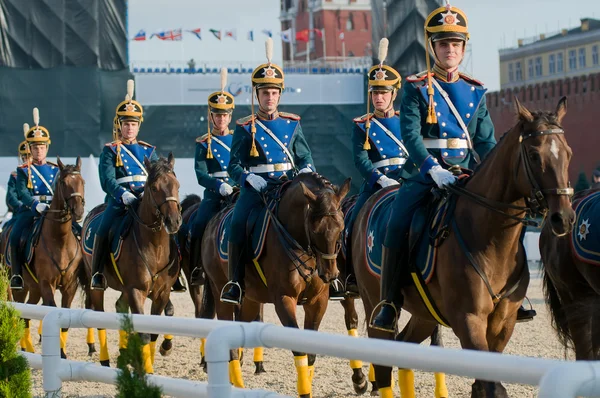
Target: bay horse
(57,259)
(526,173)
(572,286)
(149,261)
(308,219)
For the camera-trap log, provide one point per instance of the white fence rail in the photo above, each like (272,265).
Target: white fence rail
(555,378)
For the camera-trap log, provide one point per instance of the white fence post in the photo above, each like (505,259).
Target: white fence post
(571,379)
(51,351)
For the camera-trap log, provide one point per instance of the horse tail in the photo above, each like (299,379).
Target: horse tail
(208,301)
(557,312)
(189,201)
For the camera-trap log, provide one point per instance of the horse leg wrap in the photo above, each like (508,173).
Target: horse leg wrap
(406,381)
(103,345)
(235,373)
(27,341)
(90,336)
(122,339)
(311,373)
(202,346)
(152,351)
(40,329)
(168,337)
(147,359)
(386,392)
(354,364)
(441,391)
(258,354)
(371,373)
(22,341)
(63,338)
(304,385)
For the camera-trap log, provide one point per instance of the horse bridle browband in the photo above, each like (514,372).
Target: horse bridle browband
(66,212)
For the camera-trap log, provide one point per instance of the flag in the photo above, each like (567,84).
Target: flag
(140,36)
(342,36)
(169,35)
(231,33)
(216,32)
(304,35)
(268,32)
(196,32)
(286,35)
(251,35)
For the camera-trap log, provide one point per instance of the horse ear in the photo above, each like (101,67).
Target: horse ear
(59,163)
(171,159)
(523,112)
(78,163)
(147,162)
(308,193)
(344,189)
(561,109)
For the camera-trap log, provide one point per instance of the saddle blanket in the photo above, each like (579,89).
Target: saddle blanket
(28,242)
(347,215)
(426,249)
(585,237)
(118,232)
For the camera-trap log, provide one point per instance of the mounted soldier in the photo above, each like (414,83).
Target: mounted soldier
(12,198)
(34,190)
(211,161)
(379,154)
(267,147)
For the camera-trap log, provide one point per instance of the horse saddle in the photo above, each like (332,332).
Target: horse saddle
(585,237)
(119,230)
(347,209)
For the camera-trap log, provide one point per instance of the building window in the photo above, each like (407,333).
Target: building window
(518,72)
(552,64)
(511,73)
(349,23)
(530,68)
(559,63)
(582,57)
(538,67)
(572,60)
(595,55)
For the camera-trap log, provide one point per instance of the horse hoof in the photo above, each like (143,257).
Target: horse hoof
(165,353)
(91,349)
(374,390)
(204,366)
(304,395)
(166,348)
(63,354)
(260,368)
(105,363)
(360,387)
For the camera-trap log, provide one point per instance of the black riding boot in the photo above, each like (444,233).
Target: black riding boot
(197,274)
(179,285)
(98,259)
(524,315)
(351,285)
(336,290)
(233,291)
(16,280)
(392,298)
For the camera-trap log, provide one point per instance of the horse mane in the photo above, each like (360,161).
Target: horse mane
(189,201)
(158,168)
(323,189)
(67,169)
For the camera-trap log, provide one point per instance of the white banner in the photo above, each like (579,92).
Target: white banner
(194,89)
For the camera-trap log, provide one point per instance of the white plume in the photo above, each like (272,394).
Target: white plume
(25,128)
(127,97)
(269,49)
(223,78)
(130,87)
(383,49)
(36,116)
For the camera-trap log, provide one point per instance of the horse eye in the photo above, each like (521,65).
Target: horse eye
(154,189)
(534,157)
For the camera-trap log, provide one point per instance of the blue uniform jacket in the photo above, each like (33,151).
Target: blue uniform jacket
(211,173)
(42,179)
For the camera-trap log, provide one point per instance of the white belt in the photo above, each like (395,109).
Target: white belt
(269,168)
(131,179)
(389,162)
(450,143)
(43,198)
(219,174)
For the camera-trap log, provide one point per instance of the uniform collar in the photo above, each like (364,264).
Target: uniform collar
(220,133)
(385,114)
(444,75)
(265,116)
(129,142)
(34,163)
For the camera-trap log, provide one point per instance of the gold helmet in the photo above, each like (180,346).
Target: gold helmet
(23,147)
(269,74)
(219,102)
(37,133)
(130,109)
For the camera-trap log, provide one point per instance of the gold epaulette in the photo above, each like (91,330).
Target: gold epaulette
(397,113)
(470,79)
(288,115)
(418,77)
(52,164)
(244,121)
(363,118)
(144,143)
(112,143)
(202,138)
(13,173)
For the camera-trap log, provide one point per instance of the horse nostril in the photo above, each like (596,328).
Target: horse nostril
(556,219)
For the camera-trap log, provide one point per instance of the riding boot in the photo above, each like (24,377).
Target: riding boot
(233,291)
(179,285)
(16,280)
(197,274)
(336,290)
(98,259)
(524,315)
(351,284)
(392,298)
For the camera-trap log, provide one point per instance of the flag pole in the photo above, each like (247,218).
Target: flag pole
(344,50)
(324,44)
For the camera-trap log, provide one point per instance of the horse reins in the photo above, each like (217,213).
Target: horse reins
(157,225)
(66,212)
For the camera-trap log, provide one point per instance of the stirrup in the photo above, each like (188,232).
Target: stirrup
(336,286)
(231,300)
(381,304)
(196,277)
(351,293)
(103,287)
(14,285)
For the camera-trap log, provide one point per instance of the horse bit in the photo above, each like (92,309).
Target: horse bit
(66,212)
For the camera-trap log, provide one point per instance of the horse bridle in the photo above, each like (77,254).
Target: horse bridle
(157,225)
(66,212)
(312,248)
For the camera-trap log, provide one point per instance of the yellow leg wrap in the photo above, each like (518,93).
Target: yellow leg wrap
(202,346)
(371,373)
(406,381)
(258,354)
(311,373)
(235,373)
(147,359)
(90,336)
(22,342)
(354,364)
(28,342)
(63,339)
(122,339)
(386,392)
(103,345)
(441,391)
(152,351)
(40,328)
(304,385)
(168,337)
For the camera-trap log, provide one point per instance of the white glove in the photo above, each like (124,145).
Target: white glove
(40,207)
(441,176)
(386,182)
(305,170)
(128,198)
(256,182)
(225,189)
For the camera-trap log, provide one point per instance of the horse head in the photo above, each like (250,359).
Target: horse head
(71,188)
(324,224)
(542,174)
(162,190)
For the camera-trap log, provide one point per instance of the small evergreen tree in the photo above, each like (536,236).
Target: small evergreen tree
(15,376)
(131,382)
(582,182)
